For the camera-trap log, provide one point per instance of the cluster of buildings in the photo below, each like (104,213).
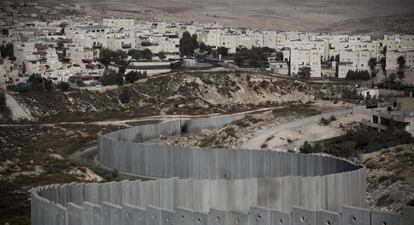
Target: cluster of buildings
(61,48)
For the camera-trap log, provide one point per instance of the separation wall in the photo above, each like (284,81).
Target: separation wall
(197,183)
(127,203)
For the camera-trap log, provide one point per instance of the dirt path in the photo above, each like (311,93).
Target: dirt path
(262,136)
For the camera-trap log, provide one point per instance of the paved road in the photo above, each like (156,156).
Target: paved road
(261,136)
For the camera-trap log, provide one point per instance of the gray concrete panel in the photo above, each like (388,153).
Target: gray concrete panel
(302,216)
(183,216)
(408,215)
(237,218)
(278,217)
(324,217)
(134,215)
(218,217)
(259,216)
(355,216)
(387,218)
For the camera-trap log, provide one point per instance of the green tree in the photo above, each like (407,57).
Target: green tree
(401,62)
(147,54)
(105,56)
(136,54)
(223,51)
(162,55)
(133,76)
(279,56)
(7,50)
(306,148)
(4,109)
(36,82)
(188,44)
(111,78)
(64,86)
(304,73)
(372,63)
(383,64)
(5,32)
(401,65)
(205,48)
(125,96)
(357,75)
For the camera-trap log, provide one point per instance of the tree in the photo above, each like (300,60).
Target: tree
(372,63)
(279,56)
(7,50)
(48,84)
(401,65)
(357,75)
(111,78)
(136,54)
(205,48)
(162,55)
(4,109)
(188,44)
(105,56)
(306,148)
(125,96)
(383,64)
(147,54)
(223,51)
(64,86)
(304,73)
(121,70)
(5,32)
(133,76)
(36,82)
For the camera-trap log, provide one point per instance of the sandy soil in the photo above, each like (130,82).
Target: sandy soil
(268,14)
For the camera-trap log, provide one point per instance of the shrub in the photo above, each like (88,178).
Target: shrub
(111,78)
(358,75)
(306,148)
(3,104)
(125,96)
(63,86)
(133,76)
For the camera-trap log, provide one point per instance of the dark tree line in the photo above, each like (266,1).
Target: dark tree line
(188,43)
(358,75)
(7,51)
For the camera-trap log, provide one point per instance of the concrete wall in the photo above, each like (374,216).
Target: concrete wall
(48,208)
(239,185)
(222,178)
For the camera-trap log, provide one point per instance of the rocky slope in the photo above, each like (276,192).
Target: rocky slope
(391,177)
(184,93)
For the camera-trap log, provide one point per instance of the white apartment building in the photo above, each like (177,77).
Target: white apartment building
(353,60)
(401,43)
(300,58)
(86,30)
(320,45)
(114,23)
(269,39)
(392,56)
(212,37)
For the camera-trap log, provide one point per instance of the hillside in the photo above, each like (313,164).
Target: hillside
(267,14)
(176,93)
